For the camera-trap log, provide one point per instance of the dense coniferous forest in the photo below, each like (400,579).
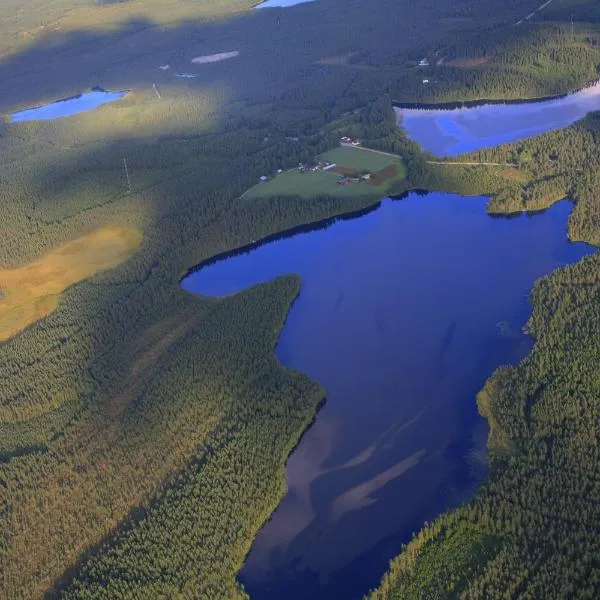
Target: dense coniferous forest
(143,431)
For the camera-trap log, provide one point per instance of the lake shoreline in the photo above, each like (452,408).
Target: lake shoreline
(304,228)
(286,233)
(456,105)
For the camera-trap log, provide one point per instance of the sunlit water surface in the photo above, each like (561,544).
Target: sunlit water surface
(68,106)
(452,132)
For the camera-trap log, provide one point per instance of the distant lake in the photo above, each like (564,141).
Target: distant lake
(281,3)
(67,106)
(454,131)
(403,314)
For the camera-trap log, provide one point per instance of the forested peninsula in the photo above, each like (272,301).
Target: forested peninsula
(144,430)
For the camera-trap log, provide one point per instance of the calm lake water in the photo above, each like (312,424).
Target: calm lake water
(452,132)
(68,106)
(403,315)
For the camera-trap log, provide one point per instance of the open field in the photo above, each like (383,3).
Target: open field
(468,63)
(359,158)
(24,25)
(31,292)
(308,185)
(385,170)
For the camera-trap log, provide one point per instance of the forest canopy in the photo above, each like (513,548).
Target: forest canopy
(144,431)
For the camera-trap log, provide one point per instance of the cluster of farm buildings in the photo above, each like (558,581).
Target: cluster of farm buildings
(313,167)
(317,165)
(344,179)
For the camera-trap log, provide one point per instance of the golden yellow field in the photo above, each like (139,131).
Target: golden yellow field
(31,292)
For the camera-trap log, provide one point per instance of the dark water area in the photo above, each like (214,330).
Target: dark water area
(449,132)
(67,106)
(404,312)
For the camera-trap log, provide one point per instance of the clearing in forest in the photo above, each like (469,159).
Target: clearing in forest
(360,158)
(31,292)
(211,58)
(383,170)
(468,63)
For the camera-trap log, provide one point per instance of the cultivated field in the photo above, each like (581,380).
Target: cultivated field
(384,168)
(308,185)
(31,292)
(360,158)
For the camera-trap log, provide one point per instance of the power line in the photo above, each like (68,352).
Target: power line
(127,175)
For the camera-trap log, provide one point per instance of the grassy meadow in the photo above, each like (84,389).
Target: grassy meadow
(349,160)
(362,159)
(308,185)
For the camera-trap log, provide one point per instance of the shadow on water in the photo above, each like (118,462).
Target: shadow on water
(283,235)
(405,310)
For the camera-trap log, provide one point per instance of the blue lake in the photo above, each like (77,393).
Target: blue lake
(404,312)
(67,106)
(450,132)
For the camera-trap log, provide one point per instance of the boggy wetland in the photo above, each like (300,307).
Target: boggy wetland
(403,314)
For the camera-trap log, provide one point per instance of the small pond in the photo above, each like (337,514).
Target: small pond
(403,314)
(448,132)
(67,106)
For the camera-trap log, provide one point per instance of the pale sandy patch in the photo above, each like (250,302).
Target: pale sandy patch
(363,494)
(339,60)
(211,58)
(468,63)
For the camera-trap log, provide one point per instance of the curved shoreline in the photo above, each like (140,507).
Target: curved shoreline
(304,228)
(286,233)
(488,102)
(343,216)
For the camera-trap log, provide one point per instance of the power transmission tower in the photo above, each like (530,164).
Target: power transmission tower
(127,175)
